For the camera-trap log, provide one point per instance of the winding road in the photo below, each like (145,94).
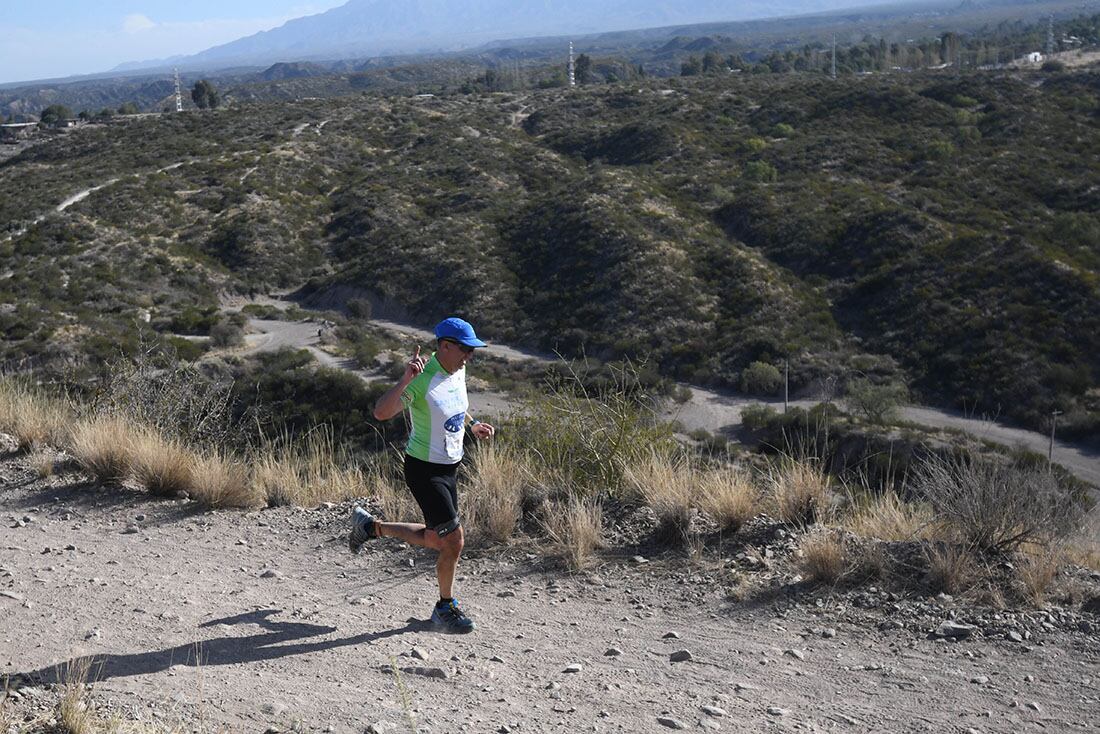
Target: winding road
(711,410)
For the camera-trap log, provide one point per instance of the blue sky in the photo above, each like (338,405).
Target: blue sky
(53,38)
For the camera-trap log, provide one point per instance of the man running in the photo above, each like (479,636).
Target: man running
(434,391)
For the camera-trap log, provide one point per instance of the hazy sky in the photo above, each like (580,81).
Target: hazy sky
(40,39)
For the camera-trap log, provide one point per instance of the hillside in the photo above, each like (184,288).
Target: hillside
(934,229)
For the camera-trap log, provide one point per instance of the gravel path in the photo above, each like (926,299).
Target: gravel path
(263,619)
(714,411)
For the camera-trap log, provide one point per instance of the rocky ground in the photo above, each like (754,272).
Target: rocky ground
(262,621)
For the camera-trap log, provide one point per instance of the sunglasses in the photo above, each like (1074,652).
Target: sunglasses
(462,347)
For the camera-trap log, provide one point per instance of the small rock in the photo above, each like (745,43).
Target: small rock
(670,636)
(680,656)
(427,672)
(507,594)
(828,633)
(504,729)
(640,559)
(271,574)
(273,730)
(1034,706)
(70,547)
(573,668)
(613,652)
(496,659)
(888,625)
(131,529)
(241,541)
(381,727)
(714,711)
(1029,679)
(140,517)
(418,654)
(1014,636)
(671,723)
(797,654)
(777,711)
(955,630)
(93,633)
(744,687)
(980,679)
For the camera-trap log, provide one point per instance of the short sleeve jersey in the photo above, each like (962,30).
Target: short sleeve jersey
(437,404)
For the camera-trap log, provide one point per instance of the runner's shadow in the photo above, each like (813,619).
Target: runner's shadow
(268,645)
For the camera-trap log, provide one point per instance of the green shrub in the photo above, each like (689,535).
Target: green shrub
(760,378)
(760,171)
(876,403)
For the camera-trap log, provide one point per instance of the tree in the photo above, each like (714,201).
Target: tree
(106,113)
(55,115)
(712,62)
(128,108)
(204,95)
(761,378)
(877,404)
(583,69)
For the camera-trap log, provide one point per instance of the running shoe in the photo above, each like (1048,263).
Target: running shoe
(362,528)
(451,619)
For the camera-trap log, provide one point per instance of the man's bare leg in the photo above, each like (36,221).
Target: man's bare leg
(410,532)
(445,565)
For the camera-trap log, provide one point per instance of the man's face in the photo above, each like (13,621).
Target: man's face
(454,355)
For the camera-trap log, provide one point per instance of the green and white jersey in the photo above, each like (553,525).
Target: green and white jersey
(437,404)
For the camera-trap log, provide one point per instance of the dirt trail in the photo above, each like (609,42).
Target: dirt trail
(293,631)
(714,411)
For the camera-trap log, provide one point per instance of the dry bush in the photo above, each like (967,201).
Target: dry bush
(33,417)
(886,516)
(800,491)
(75,712)
(163,466)
(824,557)
(728,496)
(494,501)
(102,447)
(1036,573)
(667,484)
(952,569)
(305,472)
(576,526)
(994,506)
(222,481)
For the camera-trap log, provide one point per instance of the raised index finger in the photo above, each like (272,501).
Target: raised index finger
(417,355)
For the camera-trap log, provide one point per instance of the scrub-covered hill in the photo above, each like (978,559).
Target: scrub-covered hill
(941,230)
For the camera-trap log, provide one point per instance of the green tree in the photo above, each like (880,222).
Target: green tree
(583,69)
(204,95)
(692,67)
(128,108)
(55,115)
(761,378)
(876,403)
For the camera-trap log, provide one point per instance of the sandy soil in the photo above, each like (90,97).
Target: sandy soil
(264,619)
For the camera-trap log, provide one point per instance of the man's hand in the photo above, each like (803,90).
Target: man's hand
(414,367)
(482,431)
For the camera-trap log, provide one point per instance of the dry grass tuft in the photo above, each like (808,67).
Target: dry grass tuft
(222,481)
(494,501)
(800,490)
(163,466)
(306,472)
(75,712)
(576,526)
(668,485)
(1036,574)
(44,463)
(728,496)
(952,569)
(886,516)
(825,558)
(102,447)
(32,417)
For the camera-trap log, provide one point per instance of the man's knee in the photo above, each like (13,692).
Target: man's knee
(453,541)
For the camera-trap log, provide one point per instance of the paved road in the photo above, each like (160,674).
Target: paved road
(714,411)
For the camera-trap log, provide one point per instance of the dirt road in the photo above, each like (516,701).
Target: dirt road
(714,411)
(263,619)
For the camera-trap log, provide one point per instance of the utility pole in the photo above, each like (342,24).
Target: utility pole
(1053,423)
(786,384)
(572,67)
(1050,35)
(834,56)
(179,97)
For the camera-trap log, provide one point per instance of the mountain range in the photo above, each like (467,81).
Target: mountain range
(370,27)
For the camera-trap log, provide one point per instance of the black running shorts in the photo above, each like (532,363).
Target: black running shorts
(435,487)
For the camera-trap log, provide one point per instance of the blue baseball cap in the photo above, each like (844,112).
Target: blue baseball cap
(458,330)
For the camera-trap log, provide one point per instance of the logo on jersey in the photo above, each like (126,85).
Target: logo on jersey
(455,423)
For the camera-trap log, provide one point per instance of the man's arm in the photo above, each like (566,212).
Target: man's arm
(390,404)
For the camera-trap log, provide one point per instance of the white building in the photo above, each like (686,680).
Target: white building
(1034,58)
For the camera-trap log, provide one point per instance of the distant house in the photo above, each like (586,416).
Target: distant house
(17,130)
(1034,58)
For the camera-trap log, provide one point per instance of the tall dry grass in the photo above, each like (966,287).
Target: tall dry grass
(575,526)
(76,714)
(33,417)
(493,503)
(801,491)
(384,481)
(886,516)
(102,446)
(668,484)
(163,466)
(1036,573)
(221,481)
(729,496)
(824,558)
(306,472)
(952,569)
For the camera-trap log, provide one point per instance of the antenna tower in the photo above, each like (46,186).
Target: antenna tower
(834,56)
(572,67)
(1050,35)
(179,97)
